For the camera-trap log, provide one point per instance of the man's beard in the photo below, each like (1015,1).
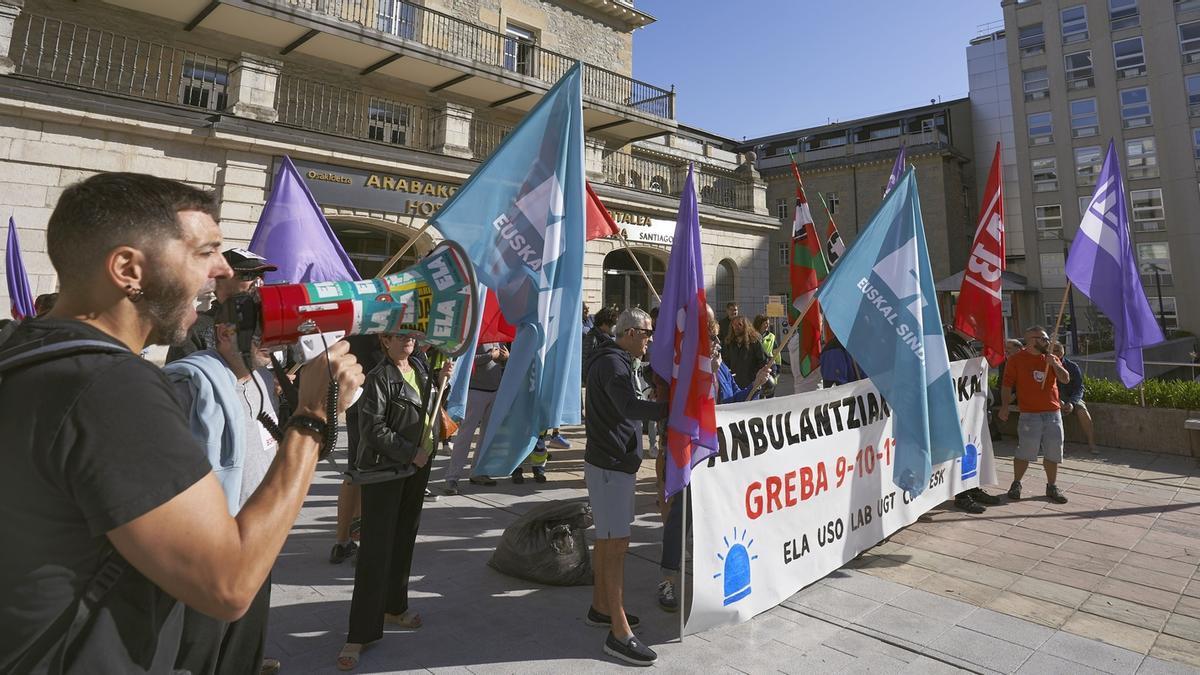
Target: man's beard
(166,304)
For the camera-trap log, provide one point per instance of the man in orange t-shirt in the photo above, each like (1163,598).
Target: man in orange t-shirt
(1035,372)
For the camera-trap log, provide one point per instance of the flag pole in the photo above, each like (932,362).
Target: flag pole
(683,563)
(645,277)
(387,267)
(782,344)
(1062,306)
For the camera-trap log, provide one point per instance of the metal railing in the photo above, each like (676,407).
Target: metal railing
(328,108)
(486,136)
(80,56)
(727,191)
(445,33)
(664,176)
(640,173)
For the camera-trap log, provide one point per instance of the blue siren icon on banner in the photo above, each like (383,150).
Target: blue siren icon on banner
(737,567)
(970,458)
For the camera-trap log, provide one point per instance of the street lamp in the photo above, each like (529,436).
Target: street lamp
(1162,317)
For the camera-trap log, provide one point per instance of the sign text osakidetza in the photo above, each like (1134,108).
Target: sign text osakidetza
(407,195)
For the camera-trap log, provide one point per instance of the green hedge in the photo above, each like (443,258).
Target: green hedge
(1183,394)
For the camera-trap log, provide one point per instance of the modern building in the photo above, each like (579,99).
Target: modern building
(846,165)
(992,122)
(1082,73)
(386,106)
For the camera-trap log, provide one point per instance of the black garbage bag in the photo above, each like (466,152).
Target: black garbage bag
(547,545)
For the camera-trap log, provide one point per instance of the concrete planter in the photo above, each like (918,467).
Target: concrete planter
(1128,426)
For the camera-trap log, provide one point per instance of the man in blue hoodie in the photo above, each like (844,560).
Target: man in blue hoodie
(611,462)
(233,412)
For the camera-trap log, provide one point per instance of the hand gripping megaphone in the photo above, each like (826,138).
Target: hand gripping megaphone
(433,301)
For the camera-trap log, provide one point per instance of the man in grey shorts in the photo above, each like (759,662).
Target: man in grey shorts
(1035,373)
(610,468)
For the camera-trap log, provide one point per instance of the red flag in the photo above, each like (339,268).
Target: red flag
(493,327)
(979,312)
(600,222)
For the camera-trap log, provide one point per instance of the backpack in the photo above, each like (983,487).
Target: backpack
(57,638)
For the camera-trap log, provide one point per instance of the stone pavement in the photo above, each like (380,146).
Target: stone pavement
(1107,583)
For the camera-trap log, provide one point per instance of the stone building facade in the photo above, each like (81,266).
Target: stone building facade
(848,164)
(216,94)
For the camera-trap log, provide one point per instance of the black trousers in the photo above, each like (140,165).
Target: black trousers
(391,514)
(212,647)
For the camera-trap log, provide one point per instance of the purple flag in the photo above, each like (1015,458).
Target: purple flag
(897,171)
(293,235)
(681,353)
(1102,267)
(19,293)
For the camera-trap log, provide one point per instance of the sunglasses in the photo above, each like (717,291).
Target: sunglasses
(644,332)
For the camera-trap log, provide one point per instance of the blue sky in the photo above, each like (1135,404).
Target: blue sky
(776,65)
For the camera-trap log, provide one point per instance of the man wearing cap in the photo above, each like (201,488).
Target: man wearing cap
(248,270)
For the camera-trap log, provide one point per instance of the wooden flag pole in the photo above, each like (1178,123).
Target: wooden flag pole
(1062,306)
(782,344)
(646,277)
(387,267)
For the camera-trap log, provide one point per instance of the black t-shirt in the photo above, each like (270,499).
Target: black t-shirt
(91,442)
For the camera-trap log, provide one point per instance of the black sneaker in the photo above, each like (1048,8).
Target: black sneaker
(595,618)
(341,552)
(1055,495)
(964,502)
(518,476)
(984,498)
(666,596)
(1014,491)
(630,651)
(539,475)
(430,496)
(451,488)
(482,480)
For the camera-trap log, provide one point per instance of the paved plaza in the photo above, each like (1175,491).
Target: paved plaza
(1107,583)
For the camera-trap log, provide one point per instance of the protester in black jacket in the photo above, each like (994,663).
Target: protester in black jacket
(393,464)
(600,334)
(742,349)
(611,461)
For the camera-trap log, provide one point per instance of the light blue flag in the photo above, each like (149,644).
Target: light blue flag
(880,302)
(521,219)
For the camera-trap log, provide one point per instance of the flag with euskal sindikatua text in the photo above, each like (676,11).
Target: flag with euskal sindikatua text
(1101,265)
(881,303)
(521,219)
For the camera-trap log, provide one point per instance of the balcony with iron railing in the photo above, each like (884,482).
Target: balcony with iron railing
(446,34)
(81,57)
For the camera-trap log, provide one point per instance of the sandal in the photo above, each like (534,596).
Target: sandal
(348,658)
(409,619)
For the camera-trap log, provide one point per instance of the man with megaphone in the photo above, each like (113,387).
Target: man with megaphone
(113,517)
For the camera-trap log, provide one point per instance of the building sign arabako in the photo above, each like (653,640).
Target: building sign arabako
(348,187)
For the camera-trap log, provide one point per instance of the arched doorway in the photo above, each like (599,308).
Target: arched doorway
(369,247)
(725,289)
(623,283)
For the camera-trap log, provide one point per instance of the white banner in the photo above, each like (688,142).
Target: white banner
(803,484)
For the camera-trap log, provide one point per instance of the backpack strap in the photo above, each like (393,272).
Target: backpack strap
(57,637)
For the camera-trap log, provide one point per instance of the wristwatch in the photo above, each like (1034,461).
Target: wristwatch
(310,423)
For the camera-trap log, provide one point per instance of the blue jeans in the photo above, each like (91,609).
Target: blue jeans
(672,546)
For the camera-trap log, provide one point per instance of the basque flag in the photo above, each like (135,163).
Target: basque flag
(19,294)
(881,303)
(681,353)
(520,217)
(1102,267)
